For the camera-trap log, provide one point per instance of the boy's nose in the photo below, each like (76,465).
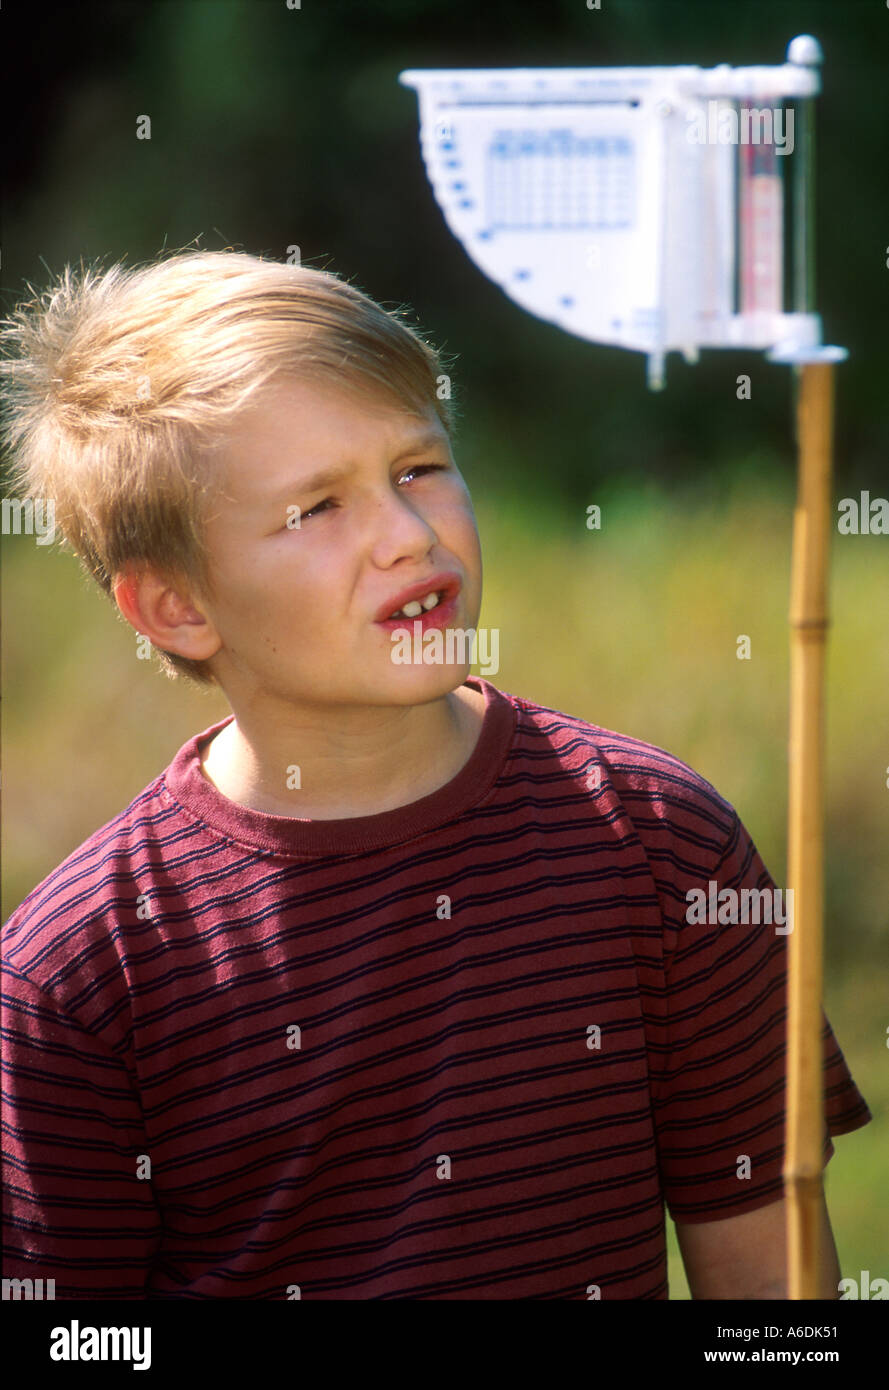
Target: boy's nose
(398,521)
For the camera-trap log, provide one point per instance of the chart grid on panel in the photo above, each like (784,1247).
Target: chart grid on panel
(555,180)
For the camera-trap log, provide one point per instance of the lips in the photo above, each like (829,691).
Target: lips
(446,585)
(443,615)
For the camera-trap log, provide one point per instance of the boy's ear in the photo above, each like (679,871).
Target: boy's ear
(164,611)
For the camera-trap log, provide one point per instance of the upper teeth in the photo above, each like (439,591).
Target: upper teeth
(416,607)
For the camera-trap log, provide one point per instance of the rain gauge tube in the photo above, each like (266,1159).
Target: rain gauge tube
(761,207)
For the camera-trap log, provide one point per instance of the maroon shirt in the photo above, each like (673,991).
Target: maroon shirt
(446,1122)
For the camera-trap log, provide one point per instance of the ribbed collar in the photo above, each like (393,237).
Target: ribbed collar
(185,782)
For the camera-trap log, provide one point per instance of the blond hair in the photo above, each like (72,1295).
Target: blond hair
(118,383)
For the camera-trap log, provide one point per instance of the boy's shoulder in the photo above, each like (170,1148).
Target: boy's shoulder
(147,837)
(81,892)
(642,774)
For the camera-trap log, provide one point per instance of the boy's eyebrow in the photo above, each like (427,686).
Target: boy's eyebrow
(329,477)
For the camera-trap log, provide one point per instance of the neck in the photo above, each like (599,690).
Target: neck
(358,763)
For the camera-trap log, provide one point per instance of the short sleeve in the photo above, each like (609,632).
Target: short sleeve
(719,1102)
(75,1208)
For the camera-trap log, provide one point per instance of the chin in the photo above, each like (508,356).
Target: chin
(415,684)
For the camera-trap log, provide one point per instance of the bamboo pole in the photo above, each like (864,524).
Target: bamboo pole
(804,1135)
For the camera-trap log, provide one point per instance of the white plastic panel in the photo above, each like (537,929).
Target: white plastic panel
(583,194)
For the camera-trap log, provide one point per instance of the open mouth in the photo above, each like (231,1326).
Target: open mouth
(434,609)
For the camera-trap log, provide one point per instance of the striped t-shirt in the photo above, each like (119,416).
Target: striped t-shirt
(469,1048)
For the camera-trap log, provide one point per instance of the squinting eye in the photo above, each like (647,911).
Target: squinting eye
(427,467)
(317,507)
(415,468)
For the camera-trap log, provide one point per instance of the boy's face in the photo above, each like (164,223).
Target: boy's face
(296,608)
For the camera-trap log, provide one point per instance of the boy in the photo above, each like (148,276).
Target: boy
(389,985)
